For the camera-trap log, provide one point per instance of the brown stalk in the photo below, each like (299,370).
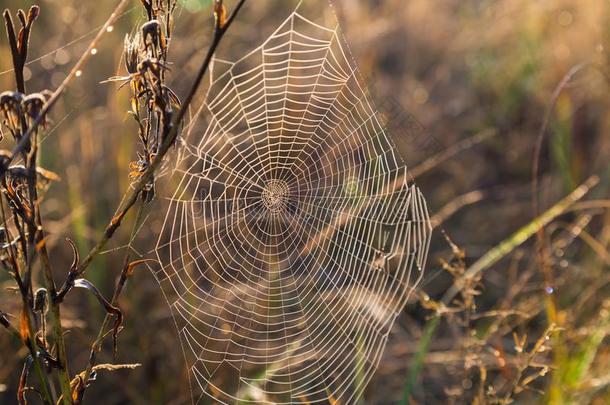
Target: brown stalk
(172,131)
(169,136)
(28,148)
(541,243)
(19,49)
(62,87)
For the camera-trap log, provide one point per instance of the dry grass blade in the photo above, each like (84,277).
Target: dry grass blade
(108,307)
(81,381)
(455,205)
(452,151)
(483,263)
(62,87)
(522,235)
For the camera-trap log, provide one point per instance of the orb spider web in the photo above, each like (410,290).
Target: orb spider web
(293,237)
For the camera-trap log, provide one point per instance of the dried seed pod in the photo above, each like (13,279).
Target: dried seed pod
(20,173)
(6,97)
(33,105)
(153,38)
(34,100)
(10,99)
(12,109)
(41,303)
(131,52)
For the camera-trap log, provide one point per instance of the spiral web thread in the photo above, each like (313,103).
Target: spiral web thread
(293,238)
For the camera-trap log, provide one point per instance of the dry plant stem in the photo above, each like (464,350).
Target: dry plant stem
(132,194)
(591,205)
(55,315)
(489,259)
(37,364)
(455,205)
(519,237)
(39,245)
(54,309)
(541,248)
(172,132)
(62,87)
(451,151)
(542,255)
(95,347)
(19,49)
(37,242)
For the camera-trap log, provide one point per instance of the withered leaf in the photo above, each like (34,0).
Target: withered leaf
(78,384)
(23,381)
(110,309)
(131,266)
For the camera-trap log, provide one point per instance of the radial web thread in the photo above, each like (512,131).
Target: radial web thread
(294,236)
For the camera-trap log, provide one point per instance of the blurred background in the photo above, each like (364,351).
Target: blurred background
(443,72)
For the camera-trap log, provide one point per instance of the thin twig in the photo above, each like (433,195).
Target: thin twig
(132,194)
(169,139)
(520,236)
(455,205)
(541,249)
(486,261)
(452,151)
(62,87)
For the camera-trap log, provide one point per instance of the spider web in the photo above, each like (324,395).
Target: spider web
(293,237)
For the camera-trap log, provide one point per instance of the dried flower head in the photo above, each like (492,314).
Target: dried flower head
(40,300)
(11,108)
(153,38)
(131,52)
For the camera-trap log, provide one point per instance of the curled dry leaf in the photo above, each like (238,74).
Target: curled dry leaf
(72,273)
(110,309)
(78,384)
(132,266)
